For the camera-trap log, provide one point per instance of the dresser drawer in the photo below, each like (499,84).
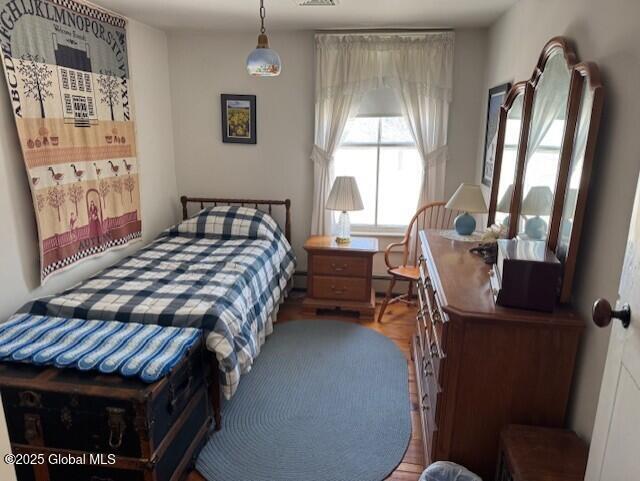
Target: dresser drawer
(434,317)
(431,392)
(347,266)
(340,288)
(423,407)
(432,336)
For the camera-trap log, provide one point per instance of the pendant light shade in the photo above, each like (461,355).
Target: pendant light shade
(263,61)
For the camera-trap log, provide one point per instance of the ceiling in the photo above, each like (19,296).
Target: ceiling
(242,15)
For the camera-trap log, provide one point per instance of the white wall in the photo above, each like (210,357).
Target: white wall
(605,32)
(205,65)
(469,96)
(19,265)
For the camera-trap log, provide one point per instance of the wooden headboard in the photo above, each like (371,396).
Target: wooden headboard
(263,205)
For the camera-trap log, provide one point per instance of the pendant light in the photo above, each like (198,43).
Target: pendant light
(263,61)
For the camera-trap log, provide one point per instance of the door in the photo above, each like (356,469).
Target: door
(615,445)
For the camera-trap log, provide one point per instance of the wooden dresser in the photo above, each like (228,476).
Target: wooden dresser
(480,366)
(340,275)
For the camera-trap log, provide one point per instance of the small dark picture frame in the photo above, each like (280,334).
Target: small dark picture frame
(497,96)
(239,119)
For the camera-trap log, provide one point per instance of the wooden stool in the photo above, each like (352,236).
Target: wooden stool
(529,453)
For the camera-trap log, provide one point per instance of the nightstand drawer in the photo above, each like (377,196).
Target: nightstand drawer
(346,266)
(340,288)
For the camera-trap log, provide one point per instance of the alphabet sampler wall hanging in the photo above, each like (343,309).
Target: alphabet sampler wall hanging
(67,71)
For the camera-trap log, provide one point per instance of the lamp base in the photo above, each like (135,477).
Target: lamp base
(465,224)
(535,228)
(344,229)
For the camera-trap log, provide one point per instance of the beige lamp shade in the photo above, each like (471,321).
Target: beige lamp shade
(345,195)
(538,201)
(468,198)
(505,202)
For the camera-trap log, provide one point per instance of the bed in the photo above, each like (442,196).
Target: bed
(225,269)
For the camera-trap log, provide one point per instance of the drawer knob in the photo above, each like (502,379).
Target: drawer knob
(338,268)
(337,290)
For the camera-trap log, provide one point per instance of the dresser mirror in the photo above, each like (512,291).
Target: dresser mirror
(507,155)
(539,191)
(544,145)
(589,107)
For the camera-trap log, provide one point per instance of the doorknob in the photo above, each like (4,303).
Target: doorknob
(602,314)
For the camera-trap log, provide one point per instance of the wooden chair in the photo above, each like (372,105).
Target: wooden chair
(430,216)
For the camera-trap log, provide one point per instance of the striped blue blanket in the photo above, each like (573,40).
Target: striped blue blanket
(224,270)
(149,352)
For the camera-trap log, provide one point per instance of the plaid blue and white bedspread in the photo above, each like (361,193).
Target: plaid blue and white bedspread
(224,270)
(149,352)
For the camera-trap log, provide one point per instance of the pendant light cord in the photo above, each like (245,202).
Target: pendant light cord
(263,13)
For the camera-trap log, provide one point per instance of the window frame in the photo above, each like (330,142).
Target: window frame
(389,229)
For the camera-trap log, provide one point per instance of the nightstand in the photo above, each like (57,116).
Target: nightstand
(340,275)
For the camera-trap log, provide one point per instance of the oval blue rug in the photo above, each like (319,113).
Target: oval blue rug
(324,401)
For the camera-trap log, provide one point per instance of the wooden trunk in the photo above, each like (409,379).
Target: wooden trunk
(143,431)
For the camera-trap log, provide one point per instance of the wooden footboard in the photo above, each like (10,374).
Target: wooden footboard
(263,205)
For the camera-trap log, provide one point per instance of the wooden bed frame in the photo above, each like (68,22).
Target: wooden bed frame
(257,204)
(266,206)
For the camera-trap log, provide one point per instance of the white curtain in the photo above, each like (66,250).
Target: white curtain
(418,66)
(550,102)
(423,78)
(343,75)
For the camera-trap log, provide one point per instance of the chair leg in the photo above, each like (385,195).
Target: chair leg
(387,297)
(410,291)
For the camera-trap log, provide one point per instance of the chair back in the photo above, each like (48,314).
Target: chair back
(430,216)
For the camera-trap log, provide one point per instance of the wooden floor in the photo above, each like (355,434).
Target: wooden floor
(398,324)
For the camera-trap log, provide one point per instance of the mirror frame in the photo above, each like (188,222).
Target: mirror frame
(552,46)
(517,89)
(583,75)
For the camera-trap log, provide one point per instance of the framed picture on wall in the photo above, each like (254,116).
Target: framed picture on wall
(496,99)
(239,119)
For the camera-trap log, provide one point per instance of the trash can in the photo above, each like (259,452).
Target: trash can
(446,471)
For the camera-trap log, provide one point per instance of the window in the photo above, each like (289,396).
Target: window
(68,106)
(541,173)
(87,82)
(65,79)
(381,154)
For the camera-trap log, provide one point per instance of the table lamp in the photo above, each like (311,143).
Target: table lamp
(536,203)
(468,199)
(504,206)
(344,197)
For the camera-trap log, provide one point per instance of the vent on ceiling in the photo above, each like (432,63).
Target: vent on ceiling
(317,3)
